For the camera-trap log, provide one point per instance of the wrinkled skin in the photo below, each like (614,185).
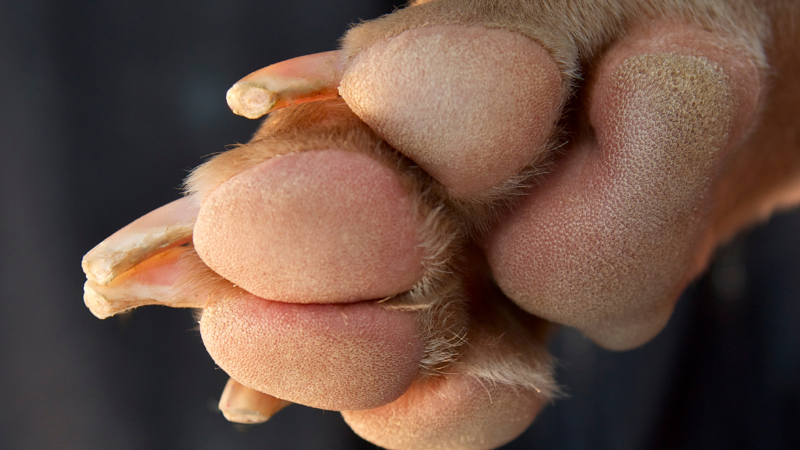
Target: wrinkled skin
(675,129)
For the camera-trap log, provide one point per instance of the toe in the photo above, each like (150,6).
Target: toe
(353,356)
(502,381)
(341,256)
(323,226)
(458,412)
(471,105)
(610,240)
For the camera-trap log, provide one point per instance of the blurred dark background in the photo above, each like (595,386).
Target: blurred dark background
(105,106)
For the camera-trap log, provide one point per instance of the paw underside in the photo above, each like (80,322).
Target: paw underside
(348,258)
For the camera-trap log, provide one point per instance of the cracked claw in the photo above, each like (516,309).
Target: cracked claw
(159,230)
(151,261)
(152,282)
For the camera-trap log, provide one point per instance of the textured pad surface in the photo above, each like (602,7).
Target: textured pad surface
(337,357)
(315,227)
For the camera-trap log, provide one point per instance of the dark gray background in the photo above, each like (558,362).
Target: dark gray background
(106,104)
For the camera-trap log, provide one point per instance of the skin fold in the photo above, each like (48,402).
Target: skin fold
(488,167)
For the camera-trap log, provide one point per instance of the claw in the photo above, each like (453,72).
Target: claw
(157,231)
(241,404)
(153,282)
(142,263)
(298,80)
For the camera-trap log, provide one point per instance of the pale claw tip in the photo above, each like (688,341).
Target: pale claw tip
(250,101)
(101,306)
(97,268)
(241,404)
(244,416)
